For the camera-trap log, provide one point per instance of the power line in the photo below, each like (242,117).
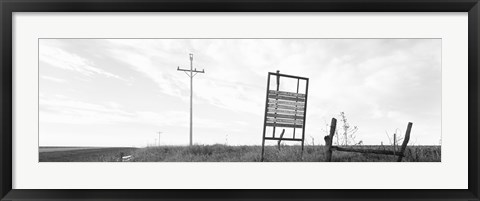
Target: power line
(191,75)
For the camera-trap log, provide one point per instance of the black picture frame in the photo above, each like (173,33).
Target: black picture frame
(7,7)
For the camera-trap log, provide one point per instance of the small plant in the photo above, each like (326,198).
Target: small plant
(395,139)
(346,134)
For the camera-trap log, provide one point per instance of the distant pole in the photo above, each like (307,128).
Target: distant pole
(191,75)
(159,138)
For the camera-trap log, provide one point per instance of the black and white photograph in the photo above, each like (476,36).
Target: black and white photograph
(240,99)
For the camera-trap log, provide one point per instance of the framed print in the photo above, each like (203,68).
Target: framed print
(196,100)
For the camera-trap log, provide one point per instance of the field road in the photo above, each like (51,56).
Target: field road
(83,154)
(52,149)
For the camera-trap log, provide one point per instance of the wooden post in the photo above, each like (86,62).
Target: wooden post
(265,119)
(405,142)
(121,157)
(278,88)
(329,139)
(394,143)
(281,136)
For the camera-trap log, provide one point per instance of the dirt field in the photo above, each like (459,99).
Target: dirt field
(82,154)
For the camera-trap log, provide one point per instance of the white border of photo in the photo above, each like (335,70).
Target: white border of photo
(28,173)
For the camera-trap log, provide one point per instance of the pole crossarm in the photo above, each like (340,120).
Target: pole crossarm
(193,71)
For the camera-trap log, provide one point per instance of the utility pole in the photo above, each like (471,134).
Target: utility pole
(159,138)
(191,75)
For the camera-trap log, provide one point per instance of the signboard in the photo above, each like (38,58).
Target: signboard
(286,98)
(288,121)
(275,111)
(285,110)
(285,102)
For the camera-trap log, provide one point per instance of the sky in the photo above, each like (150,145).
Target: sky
(122,92)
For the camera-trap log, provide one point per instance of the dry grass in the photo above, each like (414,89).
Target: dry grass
(222,153)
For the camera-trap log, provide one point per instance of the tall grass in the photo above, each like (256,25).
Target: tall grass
(223,153)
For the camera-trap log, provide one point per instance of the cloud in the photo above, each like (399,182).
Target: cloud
(60,109)
(379,84)
(53,79)
(168,82)
(62,59)
(65,110)
(223,87)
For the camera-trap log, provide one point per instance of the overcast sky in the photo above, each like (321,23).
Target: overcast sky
(121,92)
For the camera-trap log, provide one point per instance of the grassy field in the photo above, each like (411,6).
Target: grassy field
(222,153)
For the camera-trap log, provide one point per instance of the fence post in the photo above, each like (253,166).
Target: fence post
(121,157)
(405,142)
(281,136)
(394,144)
(329,139)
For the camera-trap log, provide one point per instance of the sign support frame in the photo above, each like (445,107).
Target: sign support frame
(296,111)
